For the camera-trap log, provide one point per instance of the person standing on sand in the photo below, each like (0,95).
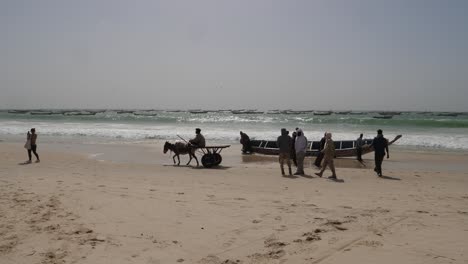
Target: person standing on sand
(198,140)
(293,148)
(328,156)
(301,146)
(359,144)
(380,145)
(319,158)
(284,146)
(33,146)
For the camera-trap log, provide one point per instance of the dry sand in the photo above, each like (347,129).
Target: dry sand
(74,209)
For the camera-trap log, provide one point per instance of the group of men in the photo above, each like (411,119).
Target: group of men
(295,148)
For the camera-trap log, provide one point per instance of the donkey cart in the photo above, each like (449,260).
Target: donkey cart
(212,155)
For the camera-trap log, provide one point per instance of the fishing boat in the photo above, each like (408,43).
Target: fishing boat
(323,113)
(453,114)
(343,148)
(41,113)
(18,111)
(246,112)
(145,114)
(389,113)
(383,117)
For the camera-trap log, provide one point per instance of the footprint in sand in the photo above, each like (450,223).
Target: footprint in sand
(272,242)
(369,243)
(101,185)
(264,258)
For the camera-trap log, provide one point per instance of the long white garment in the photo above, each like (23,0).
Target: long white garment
(301,143)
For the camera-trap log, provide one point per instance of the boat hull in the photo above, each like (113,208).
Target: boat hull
(345,148)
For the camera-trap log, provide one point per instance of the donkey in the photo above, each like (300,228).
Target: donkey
(180,148)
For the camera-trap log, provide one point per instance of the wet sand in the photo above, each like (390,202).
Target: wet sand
(128,204)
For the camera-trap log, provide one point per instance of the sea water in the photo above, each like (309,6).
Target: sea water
(419,130)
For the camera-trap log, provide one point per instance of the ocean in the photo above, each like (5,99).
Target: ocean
(448,131)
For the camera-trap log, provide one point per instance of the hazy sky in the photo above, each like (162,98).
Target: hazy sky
(408,54)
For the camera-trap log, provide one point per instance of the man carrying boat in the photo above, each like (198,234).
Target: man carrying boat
(328,156)
(284,143)
(359,144)
(319,158)
(380,145)
(301,146)
(245,141)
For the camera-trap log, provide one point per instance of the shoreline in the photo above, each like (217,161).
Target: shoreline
(151,152)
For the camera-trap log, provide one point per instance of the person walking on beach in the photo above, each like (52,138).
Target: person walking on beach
(284,145)
(301,146)
(198,140)
(328,156)
(359,144)
(380,145)
(319,158)
(293,148)
(31,145)
(245,141)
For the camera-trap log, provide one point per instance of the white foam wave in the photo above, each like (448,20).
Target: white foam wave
(229,132)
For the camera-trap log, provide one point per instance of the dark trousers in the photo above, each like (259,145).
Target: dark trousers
(293,157)
(359,154)
(33,149)
(318,160)
(246,148)
(378,162)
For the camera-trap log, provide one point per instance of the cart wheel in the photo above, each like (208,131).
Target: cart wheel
(208,160)
(217,159)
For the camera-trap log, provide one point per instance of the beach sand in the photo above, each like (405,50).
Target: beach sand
(129,204)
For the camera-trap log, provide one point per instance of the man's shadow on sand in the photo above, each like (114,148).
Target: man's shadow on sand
(389,178)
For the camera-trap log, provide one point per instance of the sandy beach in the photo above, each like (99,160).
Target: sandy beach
(77,207)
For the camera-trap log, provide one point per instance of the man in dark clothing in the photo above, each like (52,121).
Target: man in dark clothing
(284,146)
(359,144)
(319,158)
(380,145)
(293,148)
(245,141)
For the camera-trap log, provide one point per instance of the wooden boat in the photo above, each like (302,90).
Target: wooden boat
(79,113)
(245,112)
(344,148)
(323,113)
(389,113)
(18,111)
(145,114)
(383,117)
(448,114)
(42,113)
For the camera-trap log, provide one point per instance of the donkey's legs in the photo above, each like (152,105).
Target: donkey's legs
(178,158)
(173,158)
(190,156)
(196,160)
